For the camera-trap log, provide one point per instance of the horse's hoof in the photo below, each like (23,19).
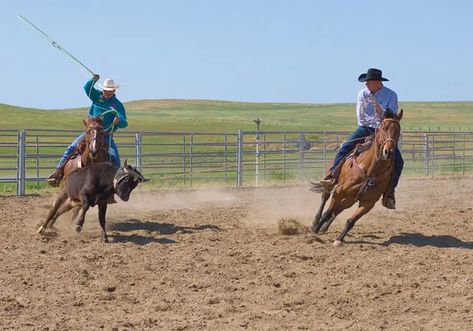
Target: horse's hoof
(78,228)
(41,230)
(338,243)
(313,228)
(323,228)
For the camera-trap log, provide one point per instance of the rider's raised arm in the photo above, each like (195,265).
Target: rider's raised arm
(91,91)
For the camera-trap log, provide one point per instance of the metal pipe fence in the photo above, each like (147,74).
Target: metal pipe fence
(27,157)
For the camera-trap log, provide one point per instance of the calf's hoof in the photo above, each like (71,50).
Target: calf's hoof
(338,243)
(78,228)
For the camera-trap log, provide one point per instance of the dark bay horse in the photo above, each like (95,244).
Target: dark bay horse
(363,178)
(91,149)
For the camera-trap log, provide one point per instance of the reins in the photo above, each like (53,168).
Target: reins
(370,179)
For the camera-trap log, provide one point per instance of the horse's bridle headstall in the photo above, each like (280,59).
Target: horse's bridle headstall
(384,141)
(90,141)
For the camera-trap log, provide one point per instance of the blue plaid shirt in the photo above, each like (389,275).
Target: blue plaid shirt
(365,111)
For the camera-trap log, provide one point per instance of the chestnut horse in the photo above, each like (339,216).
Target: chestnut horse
(91,149)
(364,178)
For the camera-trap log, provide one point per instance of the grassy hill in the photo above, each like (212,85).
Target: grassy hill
(224,116)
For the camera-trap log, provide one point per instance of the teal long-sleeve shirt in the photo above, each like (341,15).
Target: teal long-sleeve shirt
(101,105)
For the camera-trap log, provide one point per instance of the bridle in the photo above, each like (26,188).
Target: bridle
(90,142)
(386,140)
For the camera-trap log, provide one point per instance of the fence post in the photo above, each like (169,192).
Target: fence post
(301,149)
(37,162)
(184,159)
(325,153)
(284,157)
(239,174)
(433,155)
(463,157)
(20,174)
(426,153)
(138,149)
(191,151)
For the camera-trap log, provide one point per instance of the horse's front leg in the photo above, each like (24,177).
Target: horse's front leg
(56,205)
(102,212)
(318,215)
(359,212)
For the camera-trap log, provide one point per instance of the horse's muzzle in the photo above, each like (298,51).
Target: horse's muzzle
(388,153)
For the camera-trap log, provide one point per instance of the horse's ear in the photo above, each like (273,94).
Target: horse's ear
(85,122)
(388,113)
(125,164)
(399,114)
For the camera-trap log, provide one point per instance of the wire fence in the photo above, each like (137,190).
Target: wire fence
(27,157)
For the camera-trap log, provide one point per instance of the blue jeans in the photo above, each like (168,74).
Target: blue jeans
(112,150)
(357,137)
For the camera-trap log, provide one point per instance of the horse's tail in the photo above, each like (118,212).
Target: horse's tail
(316,187)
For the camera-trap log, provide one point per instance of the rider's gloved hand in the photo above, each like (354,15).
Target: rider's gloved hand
(96,77)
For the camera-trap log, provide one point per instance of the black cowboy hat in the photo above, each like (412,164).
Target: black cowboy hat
(372,74)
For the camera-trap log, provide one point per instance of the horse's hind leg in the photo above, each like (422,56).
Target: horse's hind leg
(362,210)
(318,215)
(63,209)
(329,214)
(56,205)
(341,206)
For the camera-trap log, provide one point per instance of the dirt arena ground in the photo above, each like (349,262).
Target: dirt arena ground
(214,260)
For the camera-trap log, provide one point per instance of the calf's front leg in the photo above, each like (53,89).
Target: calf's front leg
(102,212)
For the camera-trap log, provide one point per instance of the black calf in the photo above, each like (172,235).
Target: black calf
(90,186)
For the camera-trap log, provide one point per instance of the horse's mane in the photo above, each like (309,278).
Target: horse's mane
(389,114)
(95,119)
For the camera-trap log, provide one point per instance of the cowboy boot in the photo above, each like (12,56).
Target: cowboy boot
(328,182)
(55,179)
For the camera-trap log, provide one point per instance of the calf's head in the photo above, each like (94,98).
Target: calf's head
(125,181)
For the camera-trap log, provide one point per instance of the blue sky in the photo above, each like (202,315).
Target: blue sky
(247,50)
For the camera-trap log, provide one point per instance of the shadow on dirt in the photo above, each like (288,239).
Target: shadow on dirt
(154,229)
(420,240)
(140,240)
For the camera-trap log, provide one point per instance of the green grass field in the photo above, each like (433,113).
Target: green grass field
(222,116)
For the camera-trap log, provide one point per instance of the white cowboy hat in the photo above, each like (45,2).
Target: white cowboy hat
(109,85)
